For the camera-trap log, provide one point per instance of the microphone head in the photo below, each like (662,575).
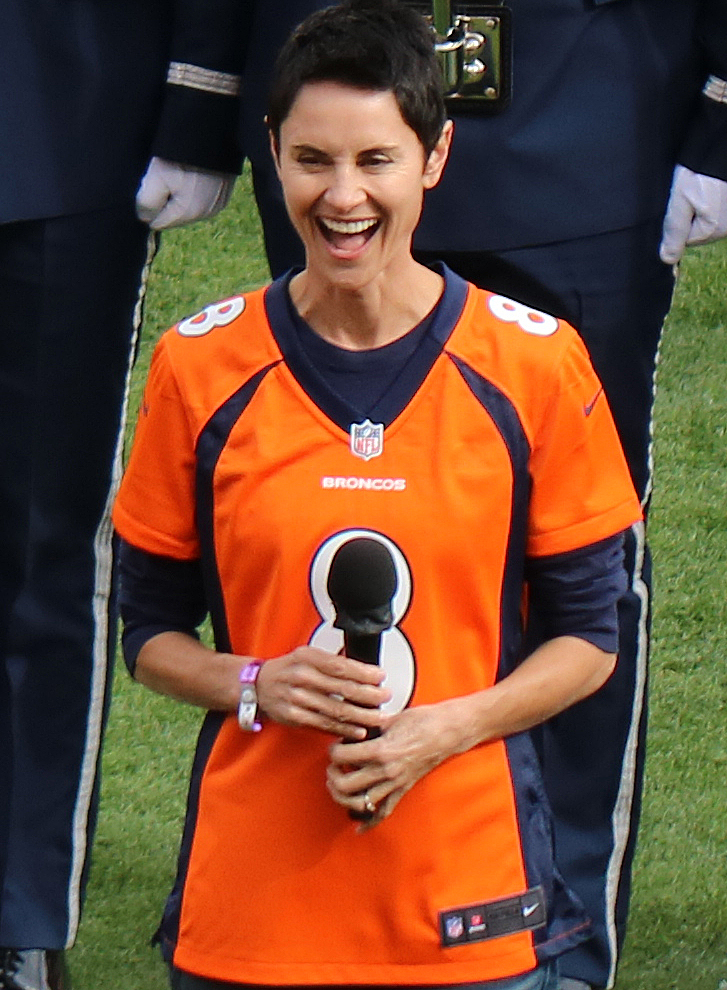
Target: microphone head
(361,584)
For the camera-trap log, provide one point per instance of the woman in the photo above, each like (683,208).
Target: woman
(369,447)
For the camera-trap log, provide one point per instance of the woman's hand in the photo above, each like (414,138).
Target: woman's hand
(310,688)
(305,688)
(380,771)
(377,773)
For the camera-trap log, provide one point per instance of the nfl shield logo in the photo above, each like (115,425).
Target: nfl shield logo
(455,926)
(367,439)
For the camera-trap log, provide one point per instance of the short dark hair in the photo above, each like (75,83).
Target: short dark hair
(380,45)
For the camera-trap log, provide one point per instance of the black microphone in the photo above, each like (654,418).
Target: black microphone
(362,582)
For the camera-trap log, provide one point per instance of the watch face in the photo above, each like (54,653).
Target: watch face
(246,717)
(247,711)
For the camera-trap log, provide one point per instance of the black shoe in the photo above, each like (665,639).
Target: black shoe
(33,969)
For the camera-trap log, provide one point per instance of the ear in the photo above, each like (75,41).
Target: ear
(438,158)
(274,148)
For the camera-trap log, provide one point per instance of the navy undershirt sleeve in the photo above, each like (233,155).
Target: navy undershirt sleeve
(576,593)
(157,594)
(573,594)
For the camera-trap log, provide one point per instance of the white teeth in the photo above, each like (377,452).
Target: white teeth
(348,226)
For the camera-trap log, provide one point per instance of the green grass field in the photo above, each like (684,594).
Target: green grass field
(678,931)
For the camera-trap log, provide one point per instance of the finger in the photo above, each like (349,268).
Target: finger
(189,201)
(708,196)
(345,756)
(705,229)
(364,802)
(384,808)
(675,233)
(222,198)
(308,716)
(329,714)
(352,693)
(349,670)
(341,710)
(349,731)
(340,666)
(151,198)
(333,675)
(290,684)
(347,785)
(369,809)
(173,215)
(342,700)
(678,218)
(334,710)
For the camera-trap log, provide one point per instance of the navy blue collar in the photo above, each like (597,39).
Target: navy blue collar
(440,324)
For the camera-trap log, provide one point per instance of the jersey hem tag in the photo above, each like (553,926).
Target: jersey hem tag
(493,919)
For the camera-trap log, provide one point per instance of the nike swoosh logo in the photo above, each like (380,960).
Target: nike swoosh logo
(529,909)
(588,407)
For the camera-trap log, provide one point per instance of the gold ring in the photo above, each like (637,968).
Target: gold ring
(369,804)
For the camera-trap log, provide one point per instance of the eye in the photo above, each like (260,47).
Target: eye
(374,159)
(310,158)
(310,161)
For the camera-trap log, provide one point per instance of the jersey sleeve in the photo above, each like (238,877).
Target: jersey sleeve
(581,487)
(155,507)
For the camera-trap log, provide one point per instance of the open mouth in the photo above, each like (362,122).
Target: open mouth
(348,235)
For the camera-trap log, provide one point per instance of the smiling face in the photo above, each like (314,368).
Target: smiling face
(354,174)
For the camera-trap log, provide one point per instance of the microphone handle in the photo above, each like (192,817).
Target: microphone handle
(364,647)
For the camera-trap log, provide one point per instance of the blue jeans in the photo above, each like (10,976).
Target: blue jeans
(542,978)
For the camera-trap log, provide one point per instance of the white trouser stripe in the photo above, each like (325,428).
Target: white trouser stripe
(621,819)
(102,592)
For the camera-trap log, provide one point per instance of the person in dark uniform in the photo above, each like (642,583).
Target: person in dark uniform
(95,95)
(577,199)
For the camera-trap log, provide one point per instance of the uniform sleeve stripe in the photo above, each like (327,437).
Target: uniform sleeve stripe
(207,80)
(716,89)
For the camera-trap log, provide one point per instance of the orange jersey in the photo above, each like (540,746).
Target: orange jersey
(497,443)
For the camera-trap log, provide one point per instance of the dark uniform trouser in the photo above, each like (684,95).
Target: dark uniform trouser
(69,307)
(614,289)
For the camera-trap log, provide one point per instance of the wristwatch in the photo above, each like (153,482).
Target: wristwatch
(248,709)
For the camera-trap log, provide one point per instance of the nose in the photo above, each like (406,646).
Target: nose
(344,191)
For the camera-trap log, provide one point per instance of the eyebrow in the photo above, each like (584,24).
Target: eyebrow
(364,151)
(307,149)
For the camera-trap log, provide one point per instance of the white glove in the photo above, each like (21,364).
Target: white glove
(696,213)
(171,194)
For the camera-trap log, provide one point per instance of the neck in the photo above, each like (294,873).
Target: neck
(370,316)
